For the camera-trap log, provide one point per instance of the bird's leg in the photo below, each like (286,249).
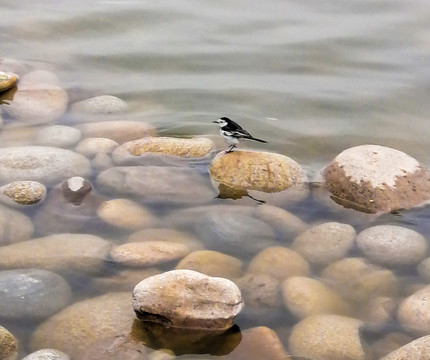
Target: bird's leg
(231,148)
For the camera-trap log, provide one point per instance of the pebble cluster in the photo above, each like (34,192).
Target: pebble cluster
(118,243)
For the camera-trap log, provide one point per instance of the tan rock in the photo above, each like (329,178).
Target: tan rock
(23,193)
(15,226)
(102,104)
(58,136)
(7,80)
(378,312)
(90,147)
(389,343)
(8,345)
(116,347)
(414,312)
(260,291)
(279,262)
(418,349)
(47,354)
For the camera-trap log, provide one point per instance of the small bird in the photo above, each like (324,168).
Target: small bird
(232,132)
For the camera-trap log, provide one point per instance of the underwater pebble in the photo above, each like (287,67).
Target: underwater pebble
(8,345)
(424,269)
(189,299)
(90,147)
(378,312)
(58,136)
(116,347)
(7,80)
(22,193)
(413,312)
(102,104)
(15,226)
(260,291)
(47,354)
(32,294)
(418,349)
(388,343)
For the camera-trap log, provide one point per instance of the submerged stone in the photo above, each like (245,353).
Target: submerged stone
(15,226)
(19,193)
(102,104)
(58,136)
(47,354)
(413,312)
(418,349)
(8,345)
(7,80)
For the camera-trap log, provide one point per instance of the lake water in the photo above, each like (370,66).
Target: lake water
(312,78)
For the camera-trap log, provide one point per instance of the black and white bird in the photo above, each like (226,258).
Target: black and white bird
(232,132)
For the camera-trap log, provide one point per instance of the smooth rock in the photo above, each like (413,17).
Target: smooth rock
(39,99)
(260,291)
(90,147)
(392,245)
(279,262)
(418,349)
(47,165)
(325,243)
(424,269)
(8,345)
(389,343)
(102,104)
(19,193)
(374,178)
(378,312)
(212,263)
(148,253)
(58,136)
(47,354)
(126,214)
(31,294)
(189,299)
(117,347)
(413,312)
(157,184)
(327,337)
(119,131)
(7,80)
(62,253)
(14,226)
(304,297)
(77,327)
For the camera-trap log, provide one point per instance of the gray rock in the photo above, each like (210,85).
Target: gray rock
(29,294)
(47,354)
(188,299)
(102,104)
(58,136)
(15,227)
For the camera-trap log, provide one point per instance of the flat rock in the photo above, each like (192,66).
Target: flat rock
(418,349)
(102,104)
(374,178)
(7,80)
(189,299)
(47,354)
(14,226)
(413,312)
(392,245)
(8,345)
(47,165)
(19,193)
(58,136)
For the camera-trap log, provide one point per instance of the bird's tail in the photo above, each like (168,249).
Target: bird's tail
(255,139)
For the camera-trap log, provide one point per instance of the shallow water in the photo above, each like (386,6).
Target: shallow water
(311,78)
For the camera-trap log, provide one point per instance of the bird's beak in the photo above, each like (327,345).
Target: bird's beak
(215,122)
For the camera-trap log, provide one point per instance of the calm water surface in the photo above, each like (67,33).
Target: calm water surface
(313,78)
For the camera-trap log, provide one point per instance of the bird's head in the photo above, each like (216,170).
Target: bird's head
(222,121)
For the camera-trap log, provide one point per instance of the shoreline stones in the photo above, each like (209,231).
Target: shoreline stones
(7,80)
(188,299)
(374,178)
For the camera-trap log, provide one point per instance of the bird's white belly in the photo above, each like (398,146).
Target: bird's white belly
(230,140)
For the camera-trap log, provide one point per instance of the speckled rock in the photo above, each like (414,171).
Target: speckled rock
(389,343)
(90,147)
(325,243)
(19,193)
(162,150)
(126,214)
(148,253)
(7,80)
(47,354)
(119,131)
(212,263)
(327,337)
(358,281)
(304,297)
(15,227)
(260,291)
(39,99)
(32,294)
(58,136)
(418,349)
(8,345)
(102,104)
(189,299)
(279,262)
(378,312)
(375,178)
(157,184)
(413,312)
(45,164)
(392,245)
(62,253)
(75,328)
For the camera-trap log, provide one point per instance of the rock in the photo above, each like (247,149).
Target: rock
(32,294)
(47,354)
(90,147)
(304,297)
(162,151)
(117,347)
(379,312)
(19,193)
(62,253)
(102,104)
(14,226)
(388,343)
(392,245)
(156,184)
(212,263)
(126,214)
(358,281)
(234,234)
(58,136)
(374,178)
(82,324)
(148,253)
(260,291)
(413,312)
(418,349)
(8,345)
(279,262)
(424,269)
(186,298)
(238,172)
(75,189)
(47,165)
(39,99)
(327,337)
(325,243)
(7,80)
(119,130)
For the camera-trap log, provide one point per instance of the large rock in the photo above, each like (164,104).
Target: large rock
(418,349)
(189,299)
(8,345)
(47,165)
(374,178)
(392,245)
(413,312)
(14,226)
